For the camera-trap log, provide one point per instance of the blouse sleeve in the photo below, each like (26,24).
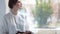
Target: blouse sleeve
(3,26)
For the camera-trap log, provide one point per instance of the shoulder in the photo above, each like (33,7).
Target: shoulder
(6,15)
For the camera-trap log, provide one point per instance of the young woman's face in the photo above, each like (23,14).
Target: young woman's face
(18,5)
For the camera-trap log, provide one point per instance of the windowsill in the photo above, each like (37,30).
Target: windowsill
(36,30)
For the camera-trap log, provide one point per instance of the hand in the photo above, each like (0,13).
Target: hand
(27,32)
(18,32)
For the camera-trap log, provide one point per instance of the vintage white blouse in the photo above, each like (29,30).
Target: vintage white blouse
(13,23)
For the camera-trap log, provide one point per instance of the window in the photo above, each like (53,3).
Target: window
(42,13)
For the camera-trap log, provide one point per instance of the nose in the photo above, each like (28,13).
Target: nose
(21,4)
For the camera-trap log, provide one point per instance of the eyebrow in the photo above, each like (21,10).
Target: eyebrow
(18,1)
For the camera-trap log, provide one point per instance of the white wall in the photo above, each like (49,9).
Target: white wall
(2,8)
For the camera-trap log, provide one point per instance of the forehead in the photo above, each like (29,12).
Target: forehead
(18,1)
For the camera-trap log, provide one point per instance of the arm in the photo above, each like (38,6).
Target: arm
(27,27)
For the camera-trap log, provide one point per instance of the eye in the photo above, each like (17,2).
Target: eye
(18,2)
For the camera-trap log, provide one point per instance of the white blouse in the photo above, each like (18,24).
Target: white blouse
(11,24)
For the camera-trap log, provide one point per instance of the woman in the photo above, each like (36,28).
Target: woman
(12,22)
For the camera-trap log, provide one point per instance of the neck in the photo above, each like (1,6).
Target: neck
(14,11)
